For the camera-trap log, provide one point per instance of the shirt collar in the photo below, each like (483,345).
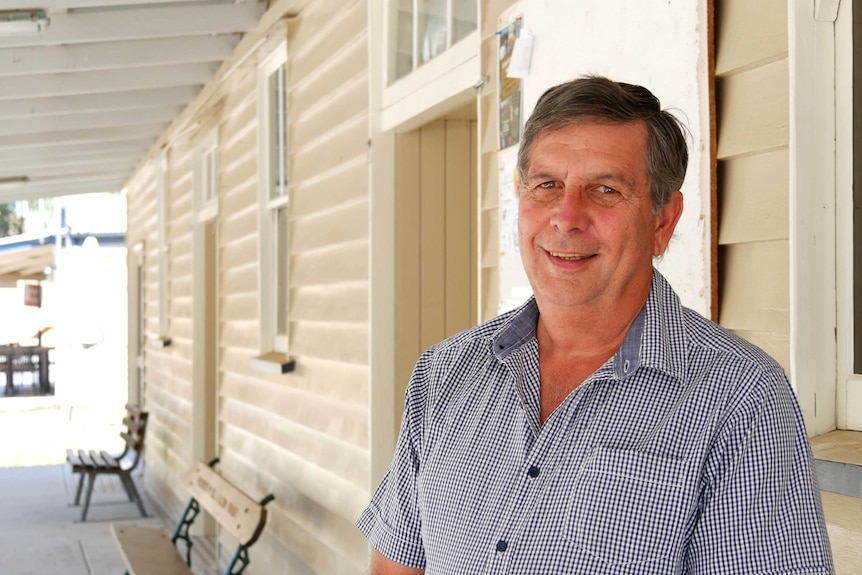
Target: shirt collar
(656,338)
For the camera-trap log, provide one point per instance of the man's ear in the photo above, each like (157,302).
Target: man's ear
(665,222)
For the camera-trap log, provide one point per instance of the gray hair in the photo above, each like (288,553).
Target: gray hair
(597,99)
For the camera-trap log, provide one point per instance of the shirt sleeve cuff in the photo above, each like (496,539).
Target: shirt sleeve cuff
(387,543)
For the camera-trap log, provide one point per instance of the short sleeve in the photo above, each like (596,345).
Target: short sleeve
(391,522)
(760,510)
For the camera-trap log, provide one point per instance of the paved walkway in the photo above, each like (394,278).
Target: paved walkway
(39,528)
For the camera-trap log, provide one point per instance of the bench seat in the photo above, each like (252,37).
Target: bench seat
(148,551)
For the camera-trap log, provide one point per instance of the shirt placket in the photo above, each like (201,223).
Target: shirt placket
(540,465)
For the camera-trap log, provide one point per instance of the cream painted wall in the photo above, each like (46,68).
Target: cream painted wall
(302,436)
(610,38)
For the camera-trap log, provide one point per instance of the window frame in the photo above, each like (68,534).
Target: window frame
(273,207)
(415,97)
(160,167)
(417,39)
(849,382)
(820,54)
(206,176)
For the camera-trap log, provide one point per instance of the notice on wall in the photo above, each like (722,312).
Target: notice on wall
(510,88)
(508,205)
(522,55)
(514,286)
(33,295)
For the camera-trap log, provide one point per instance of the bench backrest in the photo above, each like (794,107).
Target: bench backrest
(239,514)
(135,422)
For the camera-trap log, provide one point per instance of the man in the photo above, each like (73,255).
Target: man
(601,427)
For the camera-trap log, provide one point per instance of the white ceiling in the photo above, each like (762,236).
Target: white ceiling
(83,101)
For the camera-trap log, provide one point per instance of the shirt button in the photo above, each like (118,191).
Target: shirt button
(502,545)
(533,471)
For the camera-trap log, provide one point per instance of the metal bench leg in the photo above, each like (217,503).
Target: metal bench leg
(124,480)
(80,486)
(239,561)
(91,479)
(133,492)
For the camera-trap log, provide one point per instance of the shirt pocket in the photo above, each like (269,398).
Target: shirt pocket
(628,507)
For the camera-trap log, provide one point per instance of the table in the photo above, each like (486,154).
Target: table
(22,359)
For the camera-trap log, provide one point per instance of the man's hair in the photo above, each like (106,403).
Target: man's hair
(595,99)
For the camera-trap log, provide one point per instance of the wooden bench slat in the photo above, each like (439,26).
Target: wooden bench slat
(102,463)
(72,457)
(133,440)
(85,459)
(148,551)
(112,460)
(239,514)
(133,424)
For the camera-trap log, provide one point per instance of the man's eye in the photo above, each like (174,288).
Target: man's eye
(605,195)
(546,186)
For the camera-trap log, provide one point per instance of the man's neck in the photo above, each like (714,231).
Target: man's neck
(585,331)
(572,346)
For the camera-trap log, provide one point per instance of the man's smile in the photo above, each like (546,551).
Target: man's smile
(570,257)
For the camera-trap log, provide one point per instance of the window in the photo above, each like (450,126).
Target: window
(431,53)
(160,167)
(847,212)
(820,138)
(274,215)
(206,177)
(421,30)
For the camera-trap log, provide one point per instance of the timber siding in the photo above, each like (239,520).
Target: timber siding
(302,436)
(752,97)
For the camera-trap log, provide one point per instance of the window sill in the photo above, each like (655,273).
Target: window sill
(273,362)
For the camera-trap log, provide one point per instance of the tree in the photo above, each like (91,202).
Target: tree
(11,224)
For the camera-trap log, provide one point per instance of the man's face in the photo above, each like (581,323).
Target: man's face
(587,229)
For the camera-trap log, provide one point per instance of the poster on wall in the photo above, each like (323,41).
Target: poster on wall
(514,286)
(508,205)
(510,88)
(33,295)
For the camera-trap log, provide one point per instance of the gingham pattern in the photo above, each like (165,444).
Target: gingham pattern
(684,453)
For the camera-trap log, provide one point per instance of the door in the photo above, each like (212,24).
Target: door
(136,324)
(435,239)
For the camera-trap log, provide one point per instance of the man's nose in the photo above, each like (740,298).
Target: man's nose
(571,212)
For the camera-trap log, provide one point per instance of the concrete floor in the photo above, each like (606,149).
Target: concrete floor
(40,530)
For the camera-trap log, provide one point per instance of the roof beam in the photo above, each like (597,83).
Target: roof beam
(108,81)
(107,55)
(73,150)
(47,124)
(80,179)
(64,5)
(36,174)
(142,24)
(108,101)
(53,190)
(82,136)
(48,167)
(25,263)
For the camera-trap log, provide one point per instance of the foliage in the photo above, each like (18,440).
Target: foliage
(11,224)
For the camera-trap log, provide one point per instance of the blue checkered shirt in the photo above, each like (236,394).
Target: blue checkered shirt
(684,453)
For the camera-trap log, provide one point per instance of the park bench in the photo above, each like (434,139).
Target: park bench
(149,550)
(92,463)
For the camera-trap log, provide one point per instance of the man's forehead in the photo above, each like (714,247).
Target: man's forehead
(610,164)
